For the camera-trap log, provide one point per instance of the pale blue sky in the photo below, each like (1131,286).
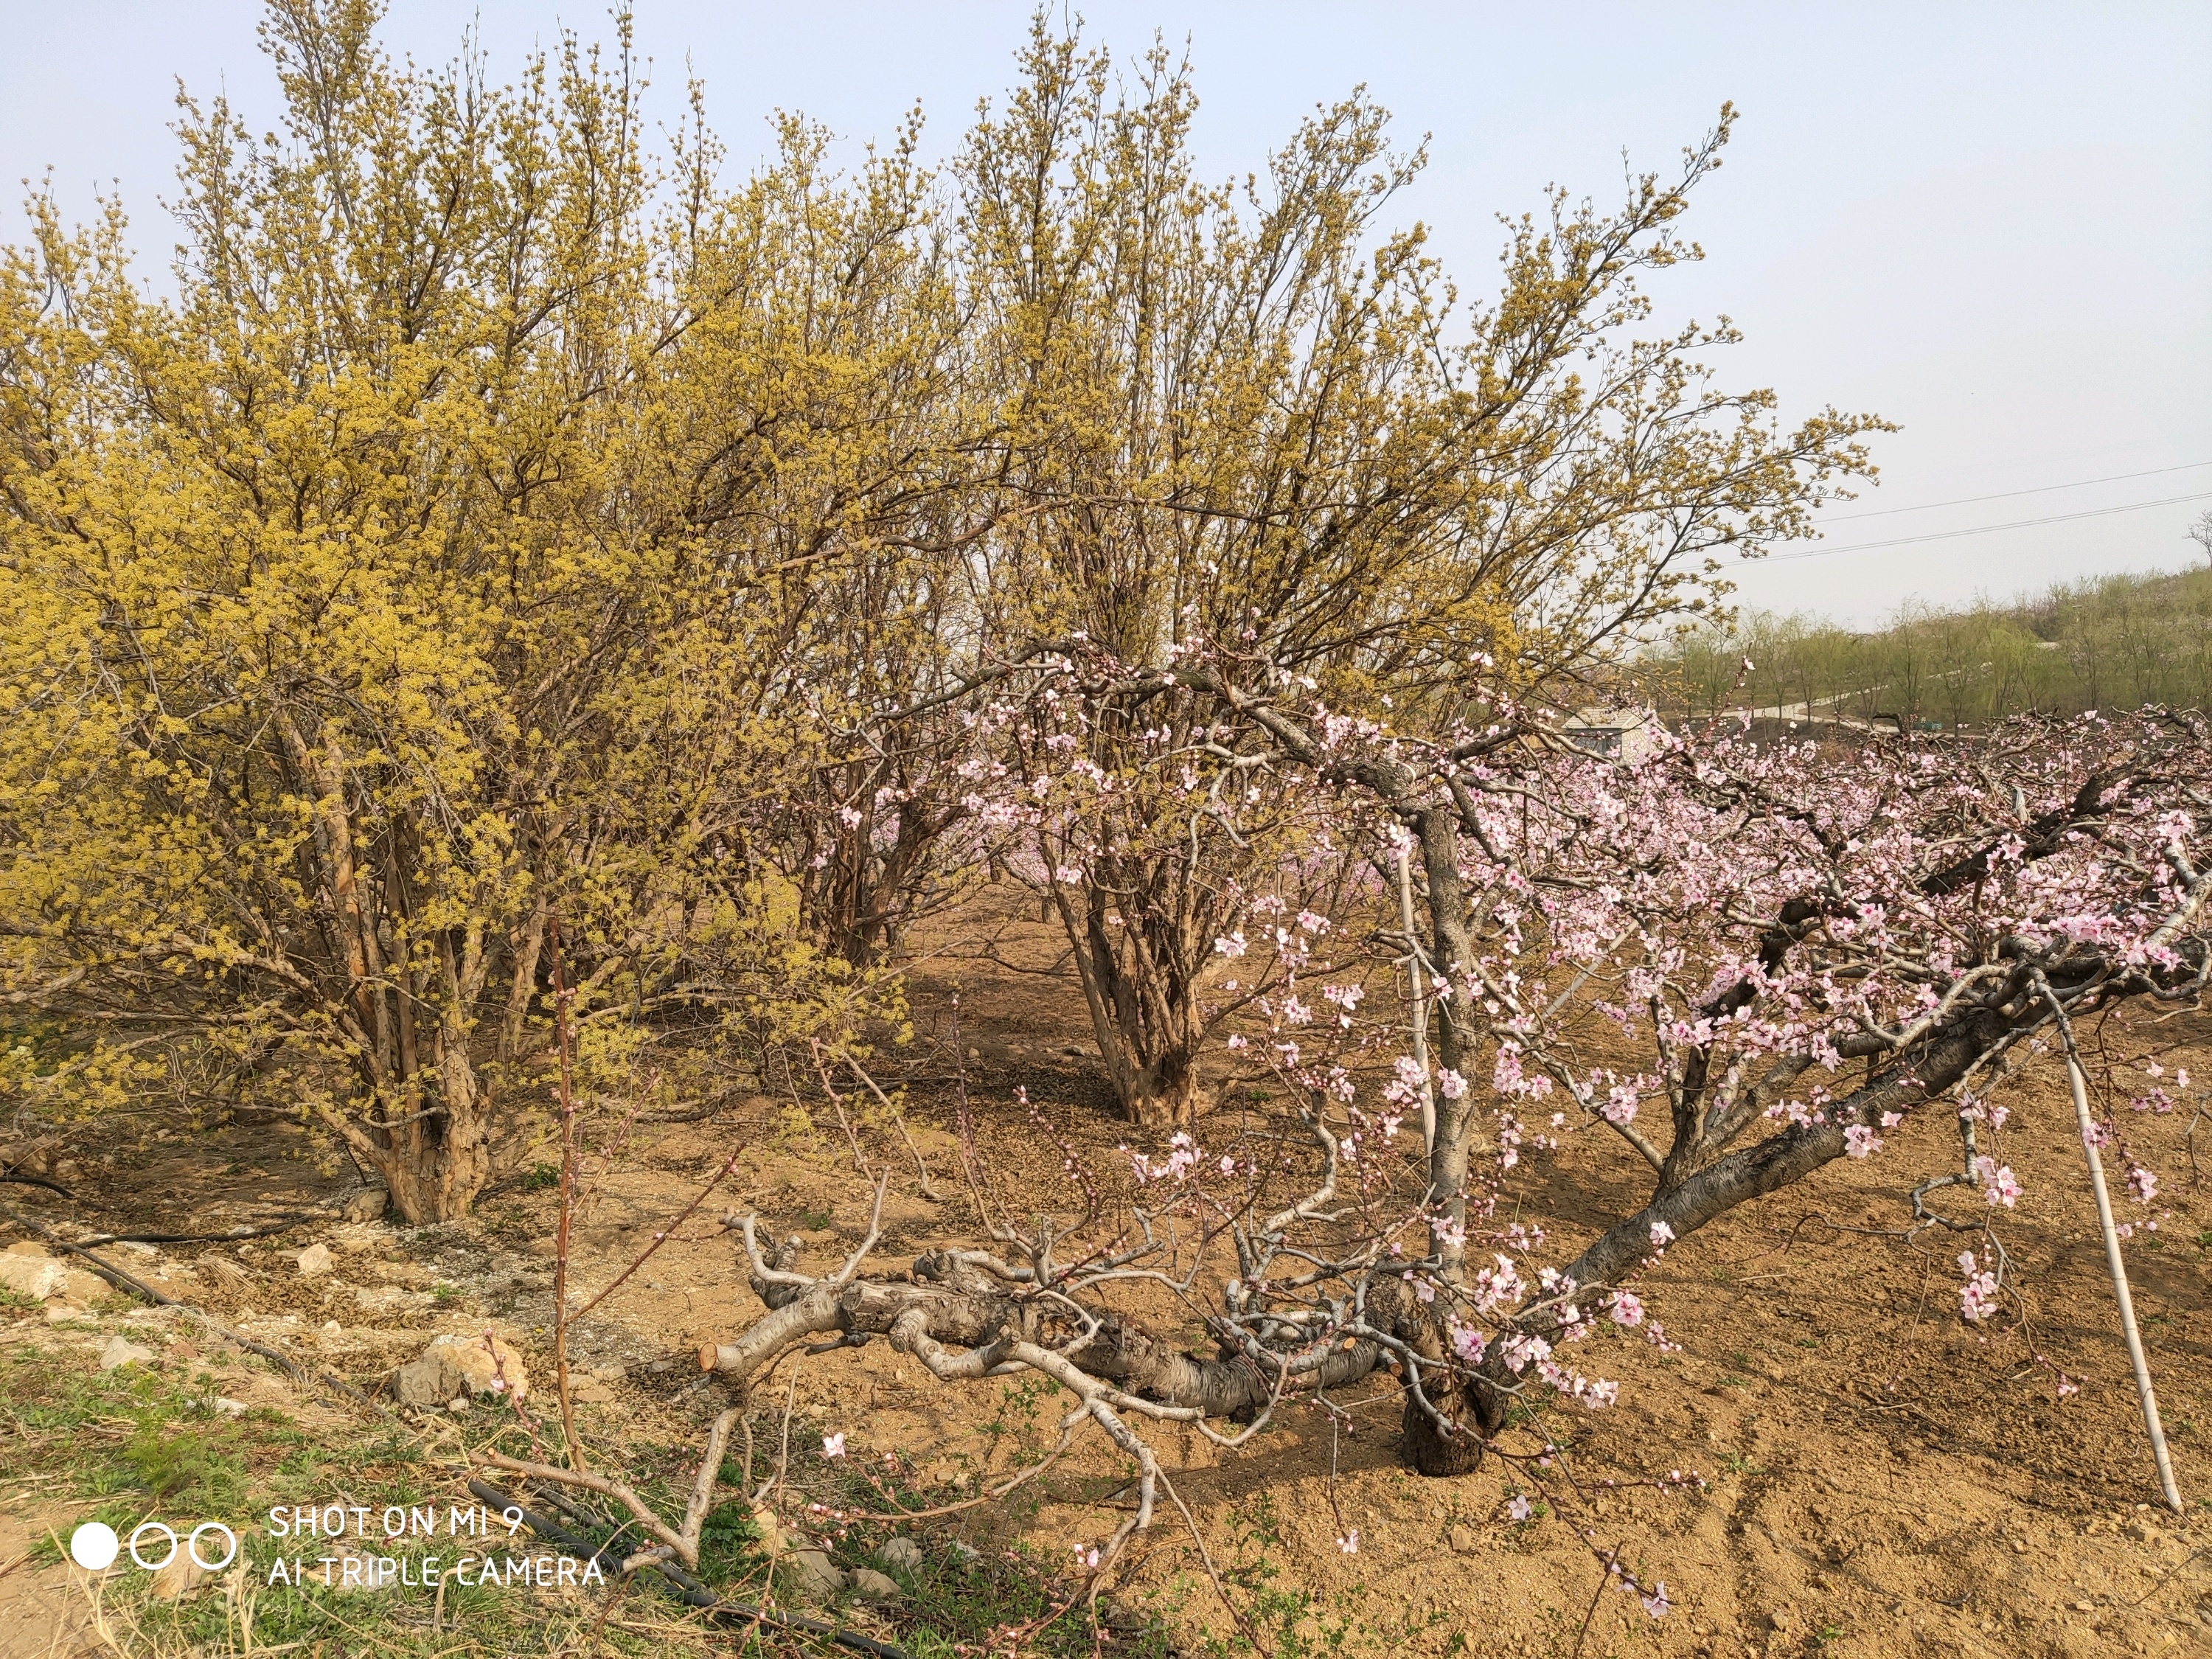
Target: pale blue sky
(1992,223)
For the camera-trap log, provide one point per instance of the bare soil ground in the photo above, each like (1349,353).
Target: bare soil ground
(1880,1477)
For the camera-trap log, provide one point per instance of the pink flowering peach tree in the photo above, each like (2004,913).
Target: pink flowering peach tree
(1733,963)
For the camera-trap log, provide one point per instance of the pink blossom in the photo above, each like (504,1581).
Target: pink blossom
(1859,1141)
(1978,1295)
(1997,1181)
(833,1445)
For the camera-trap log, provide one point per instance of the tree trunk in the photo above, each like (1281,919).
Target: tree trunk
(1452,949)
(1144,1019)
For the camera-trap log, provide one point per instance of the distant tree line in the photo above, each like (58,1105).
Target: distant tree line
(2108,642)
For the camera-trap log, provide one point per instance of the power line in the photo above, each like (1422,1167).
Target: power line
(2006,495)
(1984,529)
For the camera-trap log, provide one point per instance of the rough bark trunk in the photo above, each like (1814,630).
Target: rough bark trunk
(1147,1032)
(1438,831)
(1790,1155)
(948,1302)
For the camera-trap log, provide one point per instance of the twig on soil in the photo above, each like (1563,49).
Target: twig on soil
(783,1454)
(898,1117)
(663,1235)
(1206,1559)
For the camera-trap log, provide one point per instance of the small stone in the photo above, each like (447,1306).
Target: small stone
(2085,1607)
(1461,1538)
(875,1585)
(766,1523)
(611,1373)
(814,1577)
(121,1351)
(180,1575)
(37,1277)
(463,1366)
(459,1402)
(964,1553)
(366,1205)
(314,1259)
(900,1555)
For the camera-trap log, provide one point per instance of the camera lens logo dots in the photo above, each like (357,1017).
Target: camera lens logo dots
(94,1546)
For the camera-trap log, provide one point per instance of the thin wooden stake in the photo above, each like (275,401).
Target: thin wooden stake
(1420,1002)
(569,1443)
(2087,1125)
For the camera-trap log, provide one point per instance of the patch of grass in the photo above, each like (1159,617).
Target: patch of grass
(543,1177)
(1297,1624)
(145,1443)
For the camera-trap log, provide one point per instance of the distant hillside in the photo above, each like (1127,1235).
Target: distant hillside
(2112,642)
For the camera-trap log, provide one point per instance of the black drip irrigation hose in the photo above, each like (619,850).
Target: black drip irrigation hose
(39,1181)
(686,1586)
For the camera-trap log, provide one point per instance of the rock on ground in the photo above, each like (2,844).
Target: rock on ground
(901,1554)
(814,1578)
(366,1205)
(178,1577)
(315,1259)
(458,1367)
(37,1277)
(120,1351)
(874,1584)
